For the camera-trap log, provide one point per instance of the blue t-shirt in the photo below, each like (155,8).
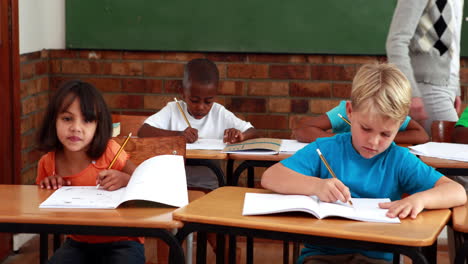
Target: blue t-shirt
(340,126)
(383,176)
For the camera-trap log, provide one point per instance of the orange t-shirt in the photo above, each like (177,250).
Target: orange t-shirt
(87,177)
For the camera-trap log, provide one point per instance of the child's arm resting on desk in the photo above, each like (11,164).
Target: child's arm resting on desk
(281,179)
(413,134)
(309,128)
(114,179)
(232,135)
(445,194)
(190,134)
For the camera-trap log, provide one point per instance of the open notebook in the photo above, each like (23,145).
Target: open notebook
(363,209)
(159,179)
(451,151)
(259,146)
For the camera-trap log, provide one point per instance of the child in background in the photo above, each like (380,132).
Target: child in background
(308,129)
(207,118)
(76,134)
(367,163)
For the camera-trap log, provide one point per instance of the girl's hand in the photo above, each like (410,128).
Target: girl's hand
(54,182)
(190,134)
(112,179)
(332,190)
(233,135)
(410,206)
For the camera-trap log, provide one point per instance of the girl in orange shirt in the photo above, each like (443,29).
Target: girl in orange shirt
(76,134)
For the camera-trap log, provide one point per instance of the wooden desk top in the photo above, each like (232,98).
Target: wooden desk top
(20,204)
(223,206)
(444,163)
(277,157)
(460,218)
(205,154)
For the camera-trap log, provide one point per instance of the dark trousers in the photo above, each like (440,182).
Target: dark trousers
(120,252)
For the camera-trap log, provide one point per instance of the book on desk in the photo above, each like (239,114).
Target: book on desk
(160,179)
(363,209)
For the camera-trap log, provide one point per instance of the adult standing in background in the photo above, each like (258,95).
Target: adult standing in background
(424,42)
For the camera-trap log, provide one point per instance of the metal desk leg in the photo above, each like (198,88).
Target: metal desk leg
(43,248)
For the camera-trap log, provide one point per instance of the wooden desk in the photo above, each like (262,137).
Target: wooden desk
(447,167)
(206,154)
(20,213)
(460,228)
(407,238)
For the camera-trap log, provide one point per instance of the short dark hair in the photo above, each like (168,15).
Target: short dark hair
(93,107)
(202,71)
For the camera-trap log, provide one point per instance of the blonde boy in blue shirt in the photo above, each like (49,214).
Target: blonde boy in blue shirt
(367,163)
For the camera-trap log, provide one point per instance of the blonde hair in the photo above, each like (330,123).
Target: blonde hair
(382,89)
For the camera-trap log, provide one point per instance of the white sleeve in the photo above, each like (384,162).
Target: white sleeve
(161,119)
(233,121)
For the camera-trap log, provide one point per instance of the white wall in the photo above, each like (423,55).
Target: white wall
(41,25)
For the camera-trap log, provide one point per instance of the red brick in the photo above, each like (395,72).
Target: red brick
(42,101)
(222,68)
(246,104)
(56,81)
(182,56)
(41,67)
(142,55)
(290,72)
(27,71)
(27,87)
(123,101)
(342,90)
(299,106)
(318,106)
(28,105)
(269,121)
(320,59)
(142,86)
(55,66)
(294,119)
(247,71)
(279,105)
(354,59)
(28,141)
(269,88)
(44,54)
(127,68)
(463,93)
(42,84)
(163,69)
(226,57)
(173,86)
(464,75)
(30,56)
(333,72)
(100,54)
(156,102)
(105,84)
(81,67)
(69,54)
(310,89)
(277,58)
(231,88)
(28,176)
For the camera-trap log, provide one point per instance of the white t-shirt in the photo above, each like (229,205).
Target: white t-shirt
(210,126)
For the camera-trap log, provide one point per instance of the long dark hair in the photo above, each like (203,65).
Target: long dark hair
(93,107)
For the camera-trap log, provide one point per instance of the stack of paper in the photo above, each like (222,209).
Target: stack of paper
(451,151)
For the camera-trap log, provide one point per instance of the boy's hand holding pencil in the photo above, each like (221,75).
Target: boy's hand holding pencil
(333,189)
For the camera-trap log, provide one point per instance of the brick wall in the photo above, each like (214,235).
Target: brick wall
(269,90)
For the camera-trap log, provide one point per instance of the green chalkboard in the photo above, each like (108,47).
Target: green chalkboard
(266,26)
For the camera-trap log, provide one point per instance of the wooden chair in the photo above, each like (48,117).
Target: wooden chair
(141,149)
(442,130)
(129,123)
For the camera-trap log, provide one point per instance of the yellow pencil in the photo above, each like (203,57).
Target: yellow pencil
(182,112)
(117,155)
(329,168)
(344,119)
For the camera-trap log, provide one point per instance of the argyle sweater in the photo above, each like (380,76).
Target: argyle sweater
(420,41)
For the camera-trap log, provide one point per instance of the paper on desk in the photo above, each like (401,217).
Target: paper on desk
(207,143)
(291,145)
(451,151)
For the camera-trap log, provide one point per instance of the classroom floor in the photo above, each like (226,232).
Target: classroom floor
(265,251)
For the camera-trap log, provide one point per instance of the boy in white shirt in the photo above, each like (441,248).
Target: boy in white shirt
(207,118)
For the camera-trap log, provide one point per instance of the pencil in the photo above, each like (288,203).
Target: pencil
(117,155)
(329,168)
(344,119)
(182,112)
